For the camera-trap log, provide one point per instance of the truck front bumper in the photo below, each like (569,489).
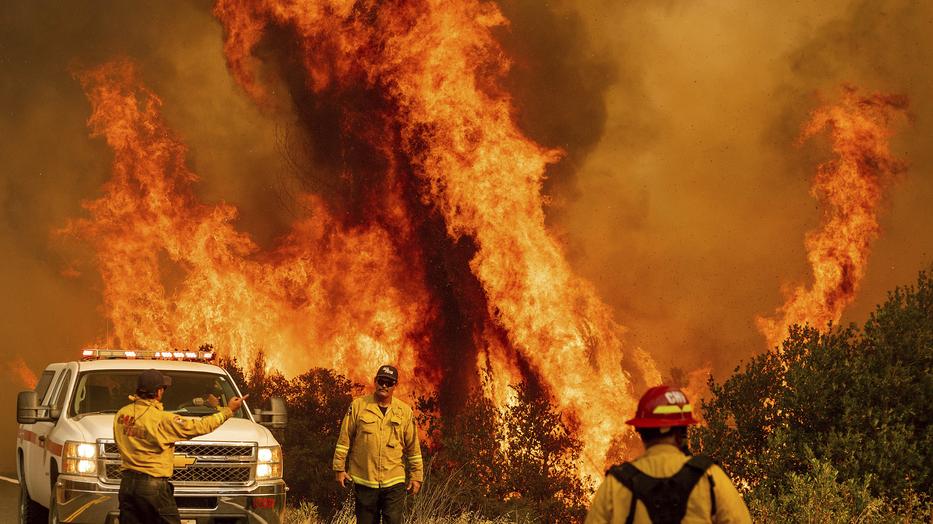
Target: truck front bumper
(83,500)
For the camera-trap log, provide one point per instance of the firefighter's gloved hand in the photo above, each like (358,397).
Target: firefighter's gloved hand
(414,487)
(236,402)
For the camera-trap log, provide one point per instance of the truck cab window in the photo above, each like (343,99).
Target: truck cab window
(191,394)
(63,390)
(42,387)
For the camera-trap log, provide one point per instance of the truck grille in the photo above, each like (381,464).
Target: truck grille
(214,462)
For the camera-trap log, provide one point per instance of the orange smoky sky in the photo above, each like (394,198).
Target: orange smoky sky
(683,195)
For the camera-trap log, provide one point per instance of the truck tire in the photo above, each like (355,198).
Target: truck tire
(30,511)
(53,510)
(53,500)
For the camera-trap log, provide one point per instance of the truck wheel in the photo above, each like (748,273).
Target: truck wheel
(53,500)
(30,512)
(53,510)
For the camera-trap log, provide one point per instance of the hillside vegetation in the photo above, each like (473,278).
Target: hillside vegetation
(833,427)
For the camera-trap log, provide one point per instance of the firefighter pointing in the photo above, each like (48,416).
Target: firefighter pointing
(377,434)
(665,485)
(146,436)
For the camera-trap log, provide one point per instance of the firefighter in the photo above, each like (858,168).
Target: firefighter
(146,436)
(665,484)
(377,434)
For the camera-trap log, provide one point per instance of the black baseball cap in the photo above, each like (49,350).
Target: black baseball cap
(388,372)
(151,380)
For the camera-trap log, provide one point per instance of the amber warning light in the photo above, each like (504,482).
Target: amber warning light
(103,354)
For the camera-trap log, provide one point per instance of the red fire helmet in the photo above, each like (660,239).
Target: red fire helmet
(663,406)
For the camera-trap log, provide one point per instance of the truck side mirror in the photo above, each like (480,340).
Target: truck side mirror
(276,417)
(26,407)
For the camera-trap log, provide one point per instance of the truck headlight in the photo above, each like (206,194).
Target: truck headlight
(269,463)
(79,458)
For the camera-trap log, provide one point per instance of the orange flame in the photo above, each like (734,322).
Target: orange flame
(440,260)
(850,188)
(22,372)
(176,273)
(435,65)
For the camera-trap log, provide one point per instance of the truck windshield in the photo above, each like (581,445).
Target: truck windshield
(191,394)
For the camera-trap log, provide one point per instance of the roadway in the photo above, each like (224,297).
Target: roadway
(9,497)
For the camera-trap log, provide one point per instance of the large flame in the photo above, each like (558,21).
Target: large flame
(176,272)
(850,189)
(428,247)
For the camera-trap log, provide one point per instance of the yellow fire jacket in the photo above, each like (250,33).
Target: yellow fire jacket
(612,500)
(377,443)
(146,434)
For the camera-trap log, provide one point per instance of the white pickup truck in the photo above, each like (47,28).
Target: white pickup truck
(69,467)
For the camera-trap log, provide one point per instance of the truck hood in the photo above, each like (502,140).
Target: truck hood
(95,427)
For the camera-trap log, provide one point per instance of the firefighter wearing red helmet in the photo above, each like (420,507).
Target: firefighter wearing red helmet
(665,484)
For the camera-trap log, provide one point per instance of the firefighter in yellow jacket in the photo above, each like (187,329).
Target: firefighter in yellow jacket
(378,434)
(665,484)
(146,436)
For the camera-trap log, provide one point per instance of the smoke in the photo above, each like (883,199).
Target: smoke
(691,229)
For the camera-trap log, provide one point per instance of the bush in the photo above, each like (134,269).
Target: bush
(818,496)
(317,401)
(520,460)
(858,399)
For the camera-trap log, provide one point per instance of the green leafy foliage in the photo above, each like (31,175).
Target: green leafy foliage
(317,401)
(819,496)
(519,460)
(858,399)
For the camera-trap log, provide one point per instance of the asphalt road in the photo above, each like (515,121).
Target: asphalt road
(9,498)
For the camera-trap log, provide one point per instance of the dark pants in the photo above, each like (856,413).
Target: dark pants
(373,503)
(147,500)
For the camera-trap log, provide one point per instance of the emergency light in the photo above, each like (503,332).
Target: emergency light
(104,354)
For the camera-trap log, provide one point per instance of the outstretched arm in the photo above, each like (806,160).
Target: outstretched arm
(177,427)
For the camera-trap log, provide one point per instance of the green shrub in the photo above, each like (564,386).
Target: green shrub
(858,399)
(317,401)
(519,460)
(818,496)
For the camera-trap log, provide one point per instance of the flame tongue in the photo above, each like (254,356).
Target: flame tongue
(325,286)
(850,188)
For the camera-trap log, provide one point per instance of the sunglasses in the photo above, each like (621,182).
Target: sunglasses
(384,382)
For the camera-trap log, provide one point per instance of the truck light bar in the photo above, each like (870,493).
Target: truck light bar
(105,354)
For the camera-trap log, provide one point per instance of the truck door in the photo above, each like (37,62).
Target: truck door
(39,482)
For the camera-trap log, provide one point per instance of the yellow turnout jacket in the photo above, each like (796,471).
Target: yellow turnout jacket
(613,500)
(146,434)
(377,444)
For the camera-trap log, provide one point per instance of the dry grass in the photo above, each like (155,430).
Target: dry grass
(434,505)
(308,514)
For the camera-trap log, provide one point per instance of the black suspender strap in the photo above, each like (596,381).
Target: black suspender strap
(712,495)
(664,498)
(703,463)
(631,510)
(625,473)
